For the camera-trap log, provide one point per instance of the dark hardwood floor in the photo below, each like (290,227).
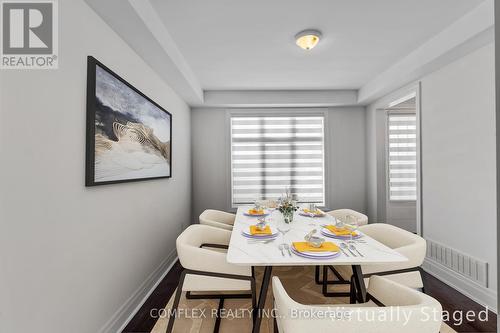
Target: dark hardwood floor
(143,321)
(450,299)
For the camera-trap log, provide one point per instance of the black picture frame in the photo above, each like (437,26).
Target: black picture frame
(92,64)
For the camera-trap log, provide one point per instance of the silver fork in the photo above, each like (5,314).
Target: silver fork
(352,247)
(345,253)
(344,246)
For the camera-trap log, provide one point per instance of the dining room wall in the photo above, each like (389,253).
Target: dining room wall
(345,158)
(458,166)
(458,160)
(73,258)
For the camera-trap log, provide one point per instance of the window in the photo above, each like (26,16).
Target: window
(402,161)
(271,153)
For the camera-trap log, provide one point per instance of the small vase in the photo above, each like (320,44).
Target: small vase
(288,216)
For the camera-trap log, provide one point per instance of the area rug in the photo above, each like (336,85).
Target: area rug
(298,281)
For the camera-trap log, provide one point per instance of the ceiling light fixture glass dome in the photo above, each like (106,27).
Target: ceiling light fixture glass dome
(307,39)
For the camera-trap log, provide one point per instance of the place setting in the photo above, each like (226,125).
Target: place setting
(314,247)
(260,232)
(348,235)
(256,211)
(343,230)
(312,211)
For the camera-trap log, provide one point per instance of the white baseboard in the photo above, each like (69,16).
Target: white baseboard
(479,294)
(126,312)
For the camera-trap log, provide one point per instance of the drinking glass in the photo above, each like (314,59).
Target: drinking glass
(283,228)
(312,209)
(338,222)
(271,206)
(351,223)
(258,202)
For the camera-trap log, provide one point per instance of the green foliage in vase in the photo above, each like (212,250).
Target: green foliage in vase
(288,206)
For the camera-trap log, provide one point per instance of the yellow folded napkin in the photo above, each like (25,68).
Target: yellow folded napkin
(254,230)
(325,247)
(316,212)
(256,211)
(340,231)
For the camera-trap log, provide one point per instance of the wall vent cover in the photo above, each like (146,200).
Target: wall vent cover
(463,264)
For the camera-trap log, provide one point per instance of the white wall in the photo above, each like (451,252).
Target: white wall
(458,161)
(346,159)
(210,161)
(458,164)
(71,256)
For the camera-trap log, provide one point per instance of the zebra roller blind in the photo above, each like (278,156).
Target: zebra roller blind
(269,154)
(402,168)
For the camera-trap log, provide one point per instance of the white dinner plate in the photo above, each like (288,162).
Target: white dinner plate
(316,255)
(246,233)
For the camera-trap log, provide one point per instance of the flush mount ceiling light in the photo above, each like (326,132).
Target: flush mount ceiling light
(307,39)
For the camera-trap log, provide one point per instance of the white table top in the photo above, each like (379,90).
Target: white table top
(241,252)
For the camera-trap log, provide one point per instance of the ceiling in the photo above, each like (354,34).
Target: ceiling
(235,53)
(236,45)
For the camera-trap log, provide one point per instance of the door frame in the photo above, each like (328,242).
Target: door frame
(387,102)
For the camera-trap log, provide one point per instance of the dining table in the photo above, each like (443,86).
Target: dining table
(268,253)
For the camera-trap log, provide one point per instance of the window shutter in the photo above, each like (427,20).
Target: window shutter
(269,154)
(402,141)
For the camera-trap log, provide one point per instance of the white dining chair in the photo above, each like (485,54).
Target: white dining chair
(408,244)
(342,213)
(217,218)
(387,299)
(206,271)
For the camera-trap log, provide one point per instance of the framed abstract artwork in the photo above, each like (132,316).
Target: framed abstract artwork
(129,136)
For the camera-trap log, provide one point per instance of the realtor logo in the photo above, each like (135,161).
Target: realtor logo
(29,35)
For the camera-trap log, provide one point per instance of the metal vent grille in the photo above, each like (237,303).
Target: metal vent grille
(471,268)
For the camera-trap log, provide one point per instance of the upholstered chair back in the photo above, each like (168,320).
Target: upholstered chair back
(342,213)
(217,218)
(408,244)
(422,312)
(193,255)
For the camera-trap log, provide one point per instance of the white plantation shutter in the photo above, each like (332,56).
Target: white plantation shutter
(269,154)
(402,168)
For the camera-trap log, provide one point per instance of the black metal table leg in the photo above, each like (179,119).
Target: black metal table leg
(177,299)
(359,282)
(325,280)
(352,297)
(219,315)
(316,275)
(325,283)
(257,314)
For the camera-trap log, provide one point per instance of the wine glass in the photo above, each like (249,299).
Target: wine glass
(258,201)
(351,223)
(311,211)
(283,228)
(339,223)
(272,206)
